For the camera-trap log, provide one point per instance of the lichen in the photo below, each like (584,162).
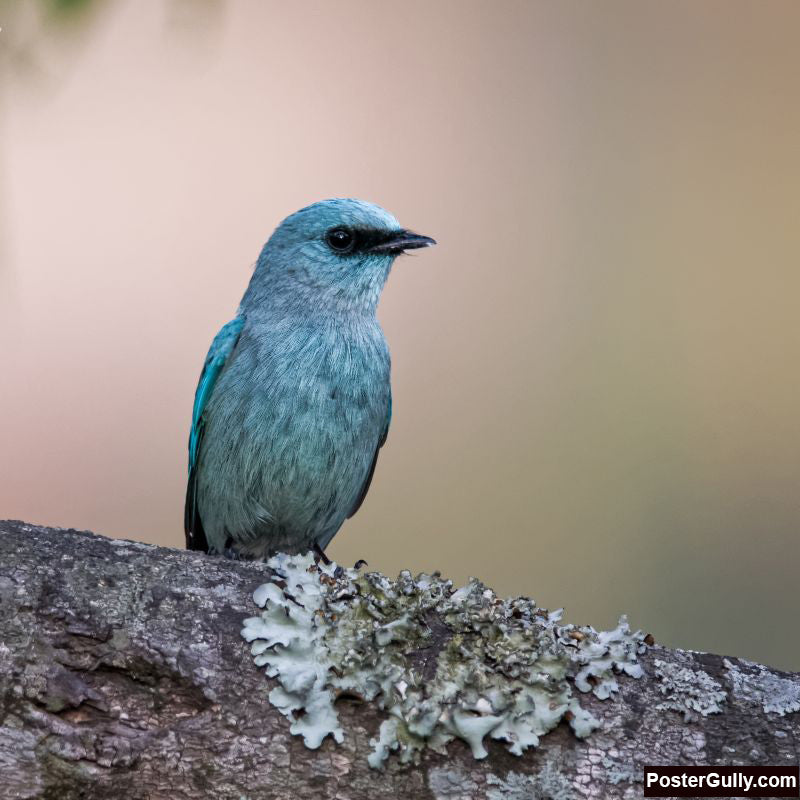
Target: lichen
(546,784)
(451,783)
(689,691)
(441,664)
(758,686)
(621,772)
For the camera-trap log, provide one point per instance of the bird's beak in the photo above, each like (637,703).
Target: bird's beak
(402,240)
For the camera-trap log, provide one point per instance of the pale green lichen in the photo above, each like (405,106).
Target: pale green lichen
(451,783)
(621,772)
(442,664)
(689,691)
(546,784)
(759,686)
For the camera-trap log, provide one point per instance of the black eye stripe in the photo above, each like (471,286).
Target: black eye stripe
(348,240)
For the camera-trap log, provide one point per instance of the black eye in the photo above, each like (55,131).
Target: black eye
(341,240)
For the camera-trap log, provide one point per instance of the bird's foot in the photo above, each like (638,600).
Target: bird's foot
(319,555)
(236,555)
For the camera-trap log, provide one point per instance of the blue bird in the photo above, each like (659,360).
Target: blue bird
(294,400)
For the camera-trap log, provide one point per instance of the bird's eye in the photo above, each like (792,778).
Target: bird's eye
(341,240)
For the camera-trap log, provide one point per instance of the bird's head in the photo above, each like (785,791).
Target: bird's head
(334,253)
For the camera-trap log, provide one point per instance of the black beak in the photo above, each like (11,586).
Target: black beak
(399,241)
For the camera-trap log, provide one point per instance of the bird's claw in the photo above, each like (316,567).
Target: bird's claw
(319,555)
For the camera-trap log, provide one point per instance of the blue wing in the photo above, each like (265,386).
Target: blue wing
(371,472)
(221,348)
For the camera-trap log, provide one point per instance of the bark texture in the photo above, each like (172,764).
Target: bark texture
(123,675)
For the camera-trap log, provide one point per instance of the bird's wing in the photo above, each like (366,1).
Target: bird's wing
(218,354)
(363,493)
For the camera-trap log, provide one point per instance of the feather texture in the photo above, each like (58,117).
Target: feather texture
(294,400)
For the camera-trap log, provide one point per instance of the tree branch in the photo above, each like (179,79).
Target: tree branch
(125,676)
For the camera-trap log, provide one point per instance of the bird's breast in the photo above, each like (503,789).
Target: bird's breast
(293,426)
(313,397)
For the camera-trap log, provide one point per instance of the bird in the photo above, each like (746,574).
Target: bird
(294,399)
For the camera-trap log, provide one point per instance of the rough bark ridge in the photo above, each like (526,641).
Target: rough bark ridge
(123,675)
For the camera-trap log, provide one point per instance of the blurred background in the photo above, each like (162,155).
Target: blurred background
(595,373)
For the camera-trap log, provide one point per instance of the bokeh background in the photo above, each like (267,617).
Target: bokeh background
(596,383)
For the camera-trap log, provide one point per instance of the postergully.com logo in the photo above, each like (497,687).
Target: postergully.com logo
(721,781)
